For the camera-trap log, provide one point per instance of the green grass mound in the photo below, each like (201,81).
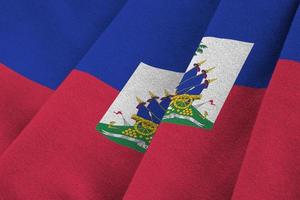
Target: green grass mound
(196,119)
(114,133)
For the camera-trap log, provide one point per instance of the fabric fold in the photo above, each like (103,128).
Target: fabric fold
(198,150)
(271,166)
(41,42)
(60,154)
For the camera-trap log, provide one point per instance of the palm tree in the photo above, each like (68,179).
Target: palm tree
(200,48)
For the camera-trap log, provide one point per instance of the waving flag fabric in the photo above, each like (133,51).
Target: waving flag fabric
(60,154)
(270,169)
(41,42)
(143,100)
(198,150)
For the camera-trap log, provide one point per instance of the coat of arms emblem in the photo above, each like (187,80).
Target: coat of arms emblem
(194,98)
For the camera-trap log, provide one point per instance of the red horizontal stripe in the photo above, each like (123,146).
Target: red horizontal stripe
(271,170)
(191,163)
(60,155)
(20,99)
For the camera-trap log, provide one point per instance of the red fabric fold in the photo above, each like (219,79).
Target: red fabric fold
(20,100)
(60,155)
(271,169)
(191,163)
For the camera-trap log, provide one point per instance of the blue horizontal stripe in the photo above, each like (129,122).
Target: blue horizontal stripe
(291,48)
(163,34)
(44,40)
(264,23)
